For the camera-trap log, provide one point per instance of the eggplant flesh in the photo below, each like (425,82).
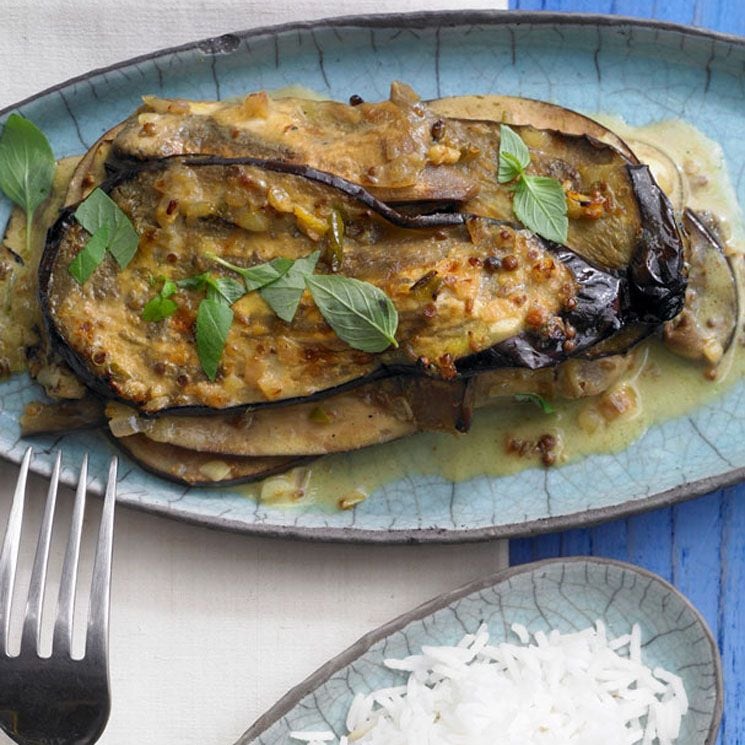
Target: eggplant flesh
(705,328)
(201,469)
(515,110)
(404,151)
(62,416)
(369,415)
(493,295)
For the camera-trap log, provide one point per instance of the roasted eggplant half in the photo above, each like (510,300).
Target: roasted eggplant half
(472,293)
(62,416)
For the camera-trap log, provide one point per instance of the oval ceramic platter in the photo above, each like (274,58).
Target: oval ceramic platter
(566,594)
(644,71)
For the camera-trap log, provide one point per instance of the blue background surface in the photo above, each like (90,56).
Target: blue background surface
(700,545)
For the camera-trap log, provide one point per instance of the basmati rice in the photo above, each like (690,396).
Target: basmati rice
(562,689)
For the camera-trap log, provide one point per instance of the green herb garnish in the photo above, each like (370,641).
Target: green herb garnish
(26,167)
(514,156)
(283,295)
(537,400)
(161,306)
(360,313)
(539,202)
(90,256)
(99,209)
(260,275)
(214,318)
(225,287)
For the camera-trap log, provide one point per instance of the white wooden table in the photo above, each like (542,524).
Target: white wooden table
(208,628)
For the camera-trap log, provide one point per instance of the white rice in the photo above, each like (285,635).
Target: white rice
(562,689)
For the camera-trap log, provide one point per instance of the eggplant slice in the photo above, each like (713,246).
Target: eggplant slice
(705,328)
(471,296)
(366,416)
(402,151)
(369,415)
(201,469)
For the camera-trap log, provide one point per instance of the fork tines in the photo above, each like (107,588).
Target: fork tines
(97,631)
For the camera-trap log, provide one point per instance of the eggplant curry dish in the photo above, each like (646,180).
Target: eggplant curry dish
(261,289)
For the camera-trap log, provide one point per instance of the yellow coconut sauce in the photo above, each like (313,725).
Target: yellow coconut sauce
(658,386)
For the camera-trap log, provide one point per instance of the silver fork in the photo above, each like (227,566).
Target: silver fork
(56,700)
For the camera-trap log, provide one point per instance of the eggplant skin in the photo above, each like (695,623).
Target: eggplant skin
(600,310)
(657,276)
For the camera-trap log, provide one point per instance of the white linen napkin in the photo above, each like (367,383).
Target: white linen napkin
(44,42)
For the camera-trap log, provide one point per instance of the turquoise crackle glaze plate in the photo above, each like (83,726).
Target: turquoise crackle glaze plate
(644,71)
(568,594)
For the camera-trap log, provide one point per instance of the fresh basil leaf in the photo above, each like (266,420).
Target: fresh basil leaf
(509,168)
(229,288)
(214,318)
(192,283)
(283,295)
(260,275)
(514,156)
(360,313)
(225,287)
(159,308)
(26,164)
(537,400)
(90,256)
(540,205)
(100,209)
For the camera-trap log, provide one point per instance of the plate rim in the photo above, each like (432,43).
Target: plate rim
(216,45)
(211,45)
(290,699)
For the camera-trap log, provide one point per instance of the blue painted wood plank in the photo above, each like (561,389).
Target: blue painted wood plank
(696,553)
(609,539)
(546,546)
(722,15)
(696,557)
(532,549)
(575,543)
(731,611)
(521,551)
(650,541)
